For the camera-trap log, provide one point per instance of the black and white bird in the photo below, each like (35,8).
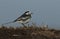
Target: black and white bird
(23,19)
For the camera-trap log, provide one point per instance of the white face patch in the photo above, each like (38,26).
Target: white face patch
(27,13)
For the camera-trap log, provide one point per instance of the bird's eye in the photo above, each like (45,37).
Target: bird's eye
(27,13)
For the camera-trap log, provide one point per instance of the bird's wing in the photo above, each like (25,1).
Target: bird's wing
(22,18)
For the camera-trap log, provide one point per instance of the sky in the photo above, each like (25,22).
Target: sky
(46,11)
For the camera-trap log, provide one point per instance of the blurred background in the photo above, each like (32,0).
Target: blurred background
(44,11)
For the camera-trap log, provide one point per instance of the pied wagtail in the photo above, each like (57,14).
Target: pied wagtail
(23,19)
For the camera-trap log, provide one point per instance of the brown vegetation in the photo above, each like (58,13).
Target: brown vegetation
(28,33)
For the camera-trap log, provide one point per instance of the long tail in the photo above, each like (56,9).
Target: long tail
(8,23)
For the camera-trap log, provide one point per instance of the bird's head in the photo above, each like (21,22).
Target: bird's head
(28,12)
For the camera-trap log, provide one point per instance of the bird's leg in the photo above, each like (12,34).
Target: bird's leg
(23,25)
(27,24)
